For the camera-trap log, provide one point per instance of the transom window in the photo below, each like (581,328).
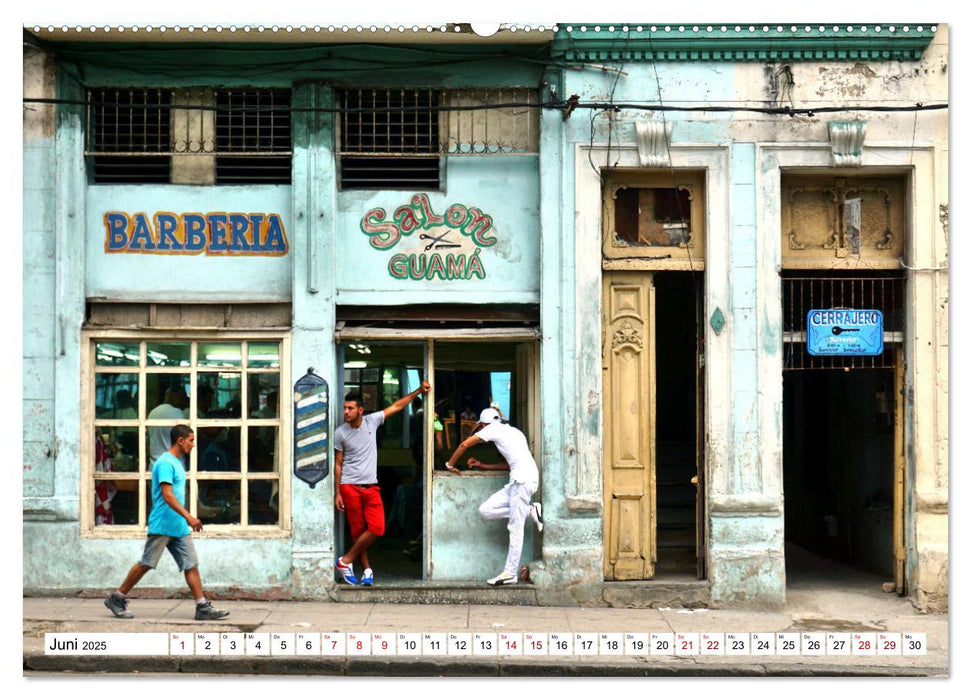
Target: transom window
(227,389)
(198,136)
(654,217)
(395,138)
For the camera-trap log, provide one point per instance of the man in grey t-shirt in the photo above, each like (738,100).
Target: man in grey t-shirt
(356,477)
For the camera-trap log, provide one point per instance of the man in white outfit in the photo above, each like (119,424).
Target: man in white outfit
(512,501)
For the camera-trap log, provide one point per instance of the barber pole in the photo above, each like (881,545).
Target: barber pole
(311,417)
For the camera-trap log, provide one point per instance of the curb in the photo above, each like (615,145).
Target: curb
(425,667)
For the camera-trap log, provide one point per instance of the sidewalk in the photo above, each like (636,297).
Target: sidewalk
(830,611)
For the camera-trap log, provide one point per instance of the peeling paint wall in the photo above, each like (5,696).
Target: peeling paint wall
(548,218)
(744,455)
(39,446)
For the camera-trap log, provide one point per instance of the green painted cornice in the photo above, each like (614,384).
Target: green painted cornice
(584,42)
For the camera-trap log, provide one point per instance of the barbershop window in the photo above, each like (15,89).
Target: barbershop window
(227,389)
(396,138)
(189,136)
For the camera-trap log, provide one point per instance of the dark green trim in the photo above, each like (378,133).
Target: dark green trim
(690,42)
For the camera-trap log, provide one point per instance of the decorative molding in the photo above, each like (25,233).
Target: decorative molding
(846,140)
(653,137)
(763,43)
(627,335)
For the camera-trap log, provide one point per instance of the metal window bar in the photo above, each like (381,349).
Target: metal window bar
(128,121)
(801,294)
(395,122)
(138,122)
(133,133)
(253,122)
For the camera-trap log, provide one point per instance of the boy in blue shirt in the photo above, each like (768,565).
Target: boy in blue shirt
(169,527)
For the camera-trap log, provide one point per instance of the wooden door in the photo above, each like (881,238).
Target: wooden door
(630,512)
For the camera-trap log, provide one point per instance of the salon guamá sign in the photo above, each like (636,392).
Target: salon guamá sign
(446,246)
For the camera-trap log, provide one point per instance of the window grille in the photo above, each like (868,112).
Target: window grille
(389,138)
(189,135)
(395,137)
(128,136)
(801,294)
(253,136)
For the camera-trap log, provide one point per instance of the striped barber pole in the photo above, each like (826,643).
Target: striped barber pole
(311,418)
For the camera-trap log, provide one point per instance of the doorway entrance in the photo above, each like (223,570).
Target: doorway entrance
(433,528)
(382,373)
(653,426)
(843,461)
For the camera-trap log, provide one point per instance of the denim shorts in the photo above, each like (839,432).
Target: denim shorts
(181,549)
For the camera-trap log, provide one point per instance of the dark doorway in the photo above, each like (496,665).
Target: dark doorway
(677,296)
(383,373)
(838,457)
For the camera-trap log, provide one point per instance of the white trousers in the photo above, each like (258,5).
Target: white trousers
(512,501)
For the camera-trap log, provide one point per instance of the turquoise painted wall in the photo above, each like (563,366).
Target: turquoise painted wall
(465,547)
(38,319)
(506,189)
(204,277)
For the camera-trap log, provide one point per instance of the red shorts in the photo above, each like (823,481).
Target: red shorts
(364,509)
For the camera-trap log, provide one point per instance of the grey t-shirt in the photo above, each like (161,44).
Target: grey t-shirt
(360,448)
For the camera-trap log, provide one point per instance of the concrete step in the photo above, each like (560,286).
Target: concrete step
(440,592)
(681,591)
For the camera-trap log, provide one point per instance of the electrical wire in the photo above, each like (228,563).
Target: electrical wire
(557,105)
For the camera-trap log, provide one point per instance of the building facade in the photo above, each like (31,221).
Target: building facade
(614,233)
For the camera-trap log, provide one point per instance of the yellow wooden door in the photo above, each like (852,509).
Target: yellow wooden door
(630,548)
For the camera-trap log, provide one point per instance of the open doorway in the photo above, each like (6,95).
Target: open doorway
(433,528)
(839,469)
(843,446)
(679,457)
(383,373)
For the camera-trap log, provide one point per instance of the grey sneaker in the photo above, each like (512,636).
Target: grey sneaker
(205,611)
(118,605)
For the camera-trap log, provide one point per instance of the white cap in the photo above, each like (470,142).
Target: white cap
(489,415)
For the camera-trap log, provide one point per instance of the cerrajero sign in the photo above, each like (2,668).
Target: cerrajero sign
(215,233)
(844,332)
(444,246)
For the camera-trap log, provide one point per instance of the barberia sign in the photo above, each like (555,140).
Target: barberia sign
(215,233)
(434,246)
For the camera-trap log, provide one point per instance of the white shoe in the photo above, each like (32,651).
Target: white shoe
(503,579)
(536,513)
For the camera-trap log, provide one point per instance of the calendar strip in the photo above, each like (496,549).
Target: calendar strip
(490,644)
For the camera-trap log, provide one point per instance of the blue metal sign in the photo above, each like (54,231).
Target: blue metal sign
(844,332)
(311,420)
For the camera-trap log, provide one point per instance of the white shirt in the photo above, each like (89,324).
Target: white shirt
(513,447)
(160,438)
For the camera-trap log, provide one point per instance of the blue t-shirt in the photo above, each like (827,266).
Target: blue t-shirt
(163,520)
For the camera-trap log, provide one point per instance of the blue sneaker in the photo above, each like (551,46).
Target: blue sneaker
(367,578)
(346,571)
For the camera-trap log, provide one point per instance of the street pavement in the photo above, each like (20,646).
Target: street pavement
(818,610)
